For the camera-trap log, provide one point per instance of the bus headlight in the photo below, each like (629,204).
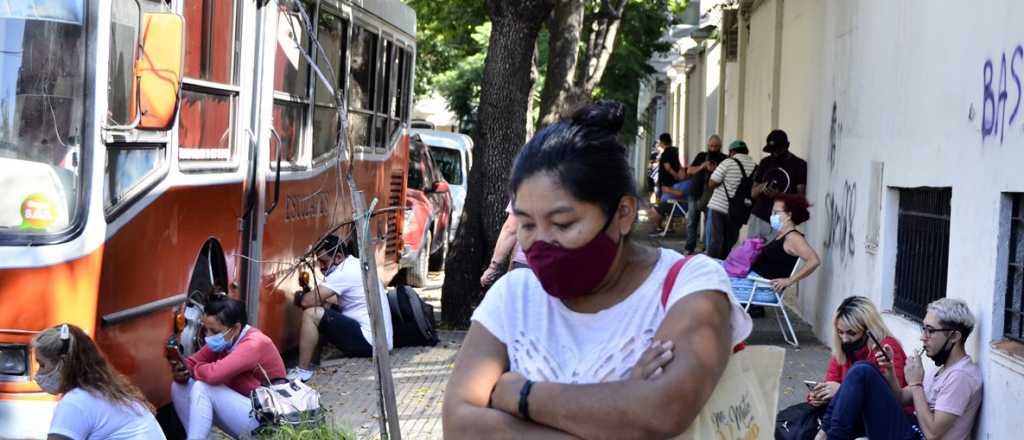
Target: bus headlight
(13,360)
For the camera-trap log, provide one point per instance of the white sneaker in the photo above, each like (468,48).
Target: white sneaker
(300,374)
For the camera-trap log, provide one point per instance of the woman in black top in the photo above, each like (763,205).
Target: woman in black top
(778,257)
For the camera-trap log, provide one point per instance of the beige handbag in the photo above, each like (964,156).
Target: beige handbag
(745,400)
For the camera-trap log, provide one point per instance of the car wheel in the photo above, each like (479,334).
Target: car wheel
(437,259)
(417,275)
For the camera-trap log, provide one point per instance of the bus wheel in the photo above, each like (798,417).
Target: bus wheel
(417,275)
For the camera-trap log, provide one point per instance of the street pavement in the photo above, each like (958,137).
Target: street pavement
(348,386)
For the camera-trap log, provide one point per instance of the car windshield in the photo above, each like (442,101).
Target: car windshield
(42,47)
(449,160)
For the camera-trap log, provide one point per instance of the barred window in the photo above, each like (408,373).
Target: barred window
(1013,313)
(922,249)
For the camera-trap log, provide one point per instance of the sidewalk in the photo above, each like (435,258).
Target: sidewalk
(349,389)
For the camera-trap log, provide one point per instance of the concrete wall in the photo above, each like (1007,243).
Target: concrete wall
(907,82)
(800,74)
(758,97)
(712,88)
(877,96)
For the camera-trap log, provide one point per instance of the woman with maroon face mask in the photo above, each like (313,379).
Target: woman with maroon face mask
(589,342)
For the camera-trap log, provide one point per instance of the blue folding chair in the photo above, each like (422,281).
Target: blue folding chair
(758,291)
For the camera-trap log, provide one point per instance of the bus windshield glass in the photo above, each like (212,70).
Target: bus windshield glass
(42,63)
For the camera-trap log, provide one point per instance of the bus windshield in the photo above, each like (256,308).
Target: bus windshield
(42,75)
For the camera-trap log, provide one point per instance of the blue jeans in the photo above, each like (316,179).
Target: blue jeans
(865,404)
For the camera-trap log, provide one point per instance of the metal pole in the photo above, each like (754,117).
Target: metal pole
(381,357)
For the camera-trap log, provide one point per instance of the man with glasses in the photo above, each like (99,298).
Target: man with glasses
(946,403)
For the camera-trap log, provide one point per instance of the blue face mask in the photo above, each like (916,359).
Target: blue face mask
(776,222)
(218,342)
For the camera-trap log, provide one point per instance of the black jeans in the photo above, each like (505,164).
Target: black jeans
(722,234)
(865,404)
(344,333)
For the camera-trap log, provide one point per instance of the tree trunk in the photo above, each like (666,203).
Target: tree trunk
(600,44)
(504,95)
(559,94)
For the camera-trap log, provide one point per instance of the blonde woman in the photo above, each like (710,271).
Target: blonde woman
(856,316)
(97,402)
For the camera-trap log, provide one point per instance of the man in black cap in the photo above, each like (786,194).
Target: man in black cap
(780,173)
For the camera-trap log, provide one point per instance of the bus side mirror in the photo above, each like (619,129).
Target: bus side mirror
(158,70)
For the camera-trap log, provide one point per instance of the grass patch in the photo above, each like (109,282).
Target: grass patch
(322,432)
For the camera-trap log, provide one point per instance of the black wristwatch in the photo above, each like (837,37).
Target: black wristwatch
(524,404)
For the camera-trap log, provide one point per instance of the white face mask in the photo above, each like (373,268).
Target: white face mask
(50,381)
(776,222)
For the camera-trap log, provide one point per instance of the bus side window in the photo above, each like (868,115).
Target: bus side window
(332,35)
(209,93)
(361,86)
(130,170)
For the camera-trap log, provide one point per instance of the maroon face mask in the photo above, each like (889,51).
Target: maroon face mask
(571,273)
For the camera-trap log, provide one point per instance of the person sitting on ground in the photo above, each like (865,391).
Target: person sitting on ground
(336,308)
(946,403)
(854,318)
(97,401)
(778,258)
(212,386)
(580,345)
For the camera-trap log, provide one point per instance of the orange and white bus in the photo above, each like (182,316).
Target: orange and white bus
(121,203)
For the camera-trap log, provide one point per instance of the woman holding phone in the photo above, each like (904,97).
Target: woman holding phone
(856,323)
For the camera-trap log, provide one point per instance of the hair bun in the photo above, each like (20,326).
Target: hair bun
(604,114)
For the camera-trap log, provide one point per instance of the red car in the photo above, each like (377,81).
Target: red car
(428,213)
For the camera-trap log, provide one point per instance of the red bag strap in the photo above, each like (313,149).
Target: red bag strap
(670,278)
(670,282)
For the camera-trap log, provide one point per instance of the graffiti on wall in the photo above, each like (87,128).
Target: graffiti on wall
(833,136)
(841,209)
(1001,94)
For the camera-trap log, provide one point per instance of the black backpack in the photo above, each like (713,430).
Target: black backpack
(798,422)
(741,202)
(412,319)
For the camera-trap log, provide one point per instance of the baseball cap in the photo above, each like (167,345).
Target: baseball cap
(737,144)
(777,139)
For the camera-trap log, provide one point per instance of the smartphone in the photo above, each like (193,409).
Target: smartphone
(173,350)
(810,384)
(879,346)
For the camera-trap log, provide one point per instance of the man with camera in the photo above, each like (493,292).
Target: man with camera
(780,173)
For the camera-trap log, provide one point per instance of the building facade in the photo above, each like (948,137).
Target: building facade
(909,116)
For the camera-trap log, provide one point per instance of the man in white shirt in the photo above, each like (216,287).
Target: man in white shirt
(723,232)
(336,307)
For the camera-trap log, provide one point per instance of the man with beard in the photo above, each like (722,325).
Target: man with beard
(946,403)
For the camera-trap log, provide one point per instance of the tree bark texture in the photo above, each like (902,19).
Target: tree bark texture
(600,44)
(504,96)
(559,93)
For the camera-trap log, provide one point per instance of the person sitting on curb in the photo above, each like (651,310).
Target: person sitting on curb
(946,403)
(336,307)
(212,387)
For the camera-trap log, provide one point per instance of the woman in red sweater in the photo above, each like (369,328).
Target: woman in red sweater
(213,385)
(855,317)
